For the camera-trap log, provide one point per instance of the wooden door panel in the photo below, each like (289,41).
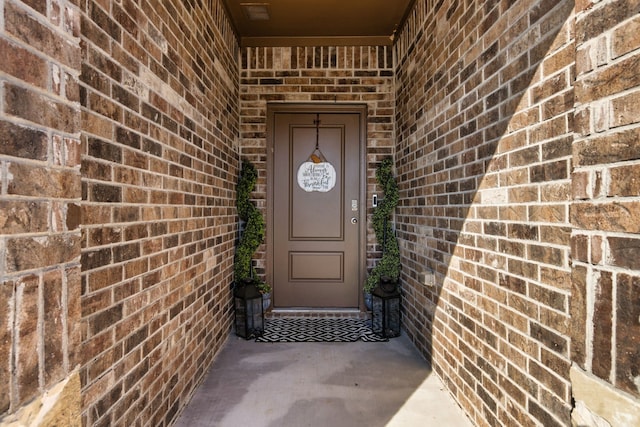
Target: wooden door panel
(316,246)
(308,218)
(316,266)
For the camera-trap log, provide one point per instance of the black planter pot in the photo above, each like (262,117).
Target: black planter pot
(368,300)
(388,285)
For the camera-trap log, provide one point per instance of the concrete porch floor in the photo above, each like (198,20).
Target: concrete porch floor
(321,384)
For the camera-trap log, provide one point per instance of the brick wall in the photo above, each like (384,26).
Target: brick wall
(606,189)
(484,116)
(39,202)
(324,75)
(159,118)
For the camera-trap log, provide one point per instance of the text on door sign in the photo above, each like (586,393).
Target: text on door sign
(319,177)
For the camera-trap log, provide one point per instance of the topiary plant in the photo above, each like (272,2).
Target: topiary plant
(388,267)
(254,227)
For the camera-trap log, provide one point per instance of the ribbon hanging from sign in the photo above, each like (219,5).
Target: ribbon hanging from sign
(316,174)
(317,156)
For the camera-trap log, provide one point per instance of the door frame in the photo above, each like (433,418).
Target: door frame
(320,108)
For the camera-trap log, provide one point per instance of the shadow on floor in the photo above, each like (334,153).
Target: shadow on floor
(321,384)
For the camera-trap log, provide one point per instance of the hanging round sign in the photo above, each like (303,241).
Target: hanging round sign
(319,177)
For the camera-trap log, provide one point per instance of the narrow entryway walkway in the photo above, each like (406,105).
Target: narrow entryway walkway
(321,384)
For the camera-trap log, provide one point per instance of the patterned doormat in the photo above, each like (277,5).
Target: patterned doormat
(310,329)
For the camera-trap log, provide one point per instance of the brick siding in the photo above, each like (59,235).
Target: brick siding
(322,75)
(484,116)
(158,190)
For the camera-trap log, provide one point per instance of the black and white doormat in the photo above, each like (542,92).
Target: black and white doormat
(310,329)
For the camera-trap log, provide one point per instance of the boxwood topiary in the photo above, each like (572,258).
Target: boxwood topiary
(254,227)
(388,267)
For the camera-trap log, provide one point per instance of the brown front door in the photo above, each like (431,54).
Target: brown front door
(316,214)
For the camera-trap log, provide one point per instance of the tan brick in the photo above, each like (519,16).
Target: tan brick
(609,80)
(627,337)
(8,306)
(614,216)
(37,108)
(39,181)
(625,38)
(579,314)
(624,252)
(560,59)
(624,181)
(625,110)
(29,341)
(26,253)
(18,60)
(555,213)
(602,326)
(53,349)
(23,217)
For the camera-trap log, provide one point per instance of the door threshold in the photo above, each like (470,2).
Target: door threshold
(351,313)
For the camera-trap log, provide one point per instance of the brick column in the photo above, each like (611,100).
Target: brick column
(39,211)
(606,191)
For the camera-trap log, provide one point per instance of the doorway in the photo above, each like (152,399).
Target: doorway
(316,212)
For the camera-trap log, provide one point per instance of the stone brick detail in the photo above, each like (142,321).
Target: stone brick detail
(159,122)
(484,124)
(39,194)
(317,74)
(60,405)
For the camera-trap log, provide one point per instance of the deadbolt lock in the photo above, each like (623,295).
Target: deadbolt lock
(354,220)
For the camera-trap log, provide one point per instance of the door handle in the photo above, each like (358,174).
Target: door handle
(354,220)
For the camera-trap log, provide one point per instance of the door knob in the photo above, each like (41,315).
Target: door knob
(354,220)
